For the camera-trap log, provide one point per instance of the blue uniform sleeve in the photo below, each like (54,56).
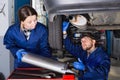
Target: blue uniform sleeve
(9,42)
(44,45)
(73,49)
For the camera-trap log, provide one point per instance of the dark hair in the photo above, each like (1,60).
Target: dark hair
(26,11)
(93,35)
(88,35)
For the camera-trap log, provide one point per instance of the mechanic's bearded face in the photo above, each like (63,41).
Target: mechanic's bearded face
(29,23)
(88,44)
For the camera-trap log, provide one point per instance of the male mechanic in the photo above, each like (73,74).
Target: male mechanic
(93,62)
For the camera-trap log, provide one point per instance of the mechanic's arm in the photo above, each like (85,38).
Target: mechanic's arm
(10,43)
(69,46)
(100,71)
(44,45)
(74,49)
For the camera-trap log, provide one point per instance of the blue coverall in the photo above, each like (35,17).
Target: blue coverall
(97,64)
(14,40)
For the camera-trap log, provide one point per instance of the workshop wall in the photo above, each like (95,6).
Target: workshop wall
(6,19)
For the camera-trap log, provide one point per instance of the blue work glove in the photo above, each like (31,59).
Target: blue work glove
(79,65)
(65,25)
(20,54)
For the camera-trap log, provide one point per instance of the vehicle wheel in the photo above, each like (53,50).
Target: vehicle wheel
(55,34)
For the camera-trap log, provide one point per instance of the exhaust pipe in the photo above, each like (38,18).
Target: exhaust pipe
(46,63)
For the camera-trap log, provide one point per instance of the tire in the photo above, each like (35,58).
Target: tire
(55,34)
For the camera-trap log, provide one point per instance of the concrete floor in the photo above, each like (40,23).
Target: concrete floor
(114,73)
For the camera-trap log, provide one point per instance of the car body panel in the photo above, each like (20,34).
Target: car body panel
(60,7)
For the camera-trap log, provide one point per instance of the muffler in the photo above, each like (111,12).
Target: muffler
(46,63)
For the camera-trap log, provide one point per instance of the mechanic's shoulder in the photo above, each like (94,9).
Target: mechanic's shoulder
(13,27)
(41,26)
(102,51)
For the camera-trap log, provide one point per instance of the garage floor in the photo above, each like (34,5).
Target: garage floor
(115,70)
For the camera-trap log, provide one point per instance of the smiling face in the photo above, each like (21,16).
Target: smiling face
(88,43)
(29,23)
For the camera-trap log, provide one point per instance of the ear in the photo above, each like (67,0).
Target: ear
(22,24)
(94,41)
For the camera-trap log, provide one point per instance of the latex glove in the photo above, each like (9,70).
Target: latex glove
(79,65)
(65,25)
(20,54)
